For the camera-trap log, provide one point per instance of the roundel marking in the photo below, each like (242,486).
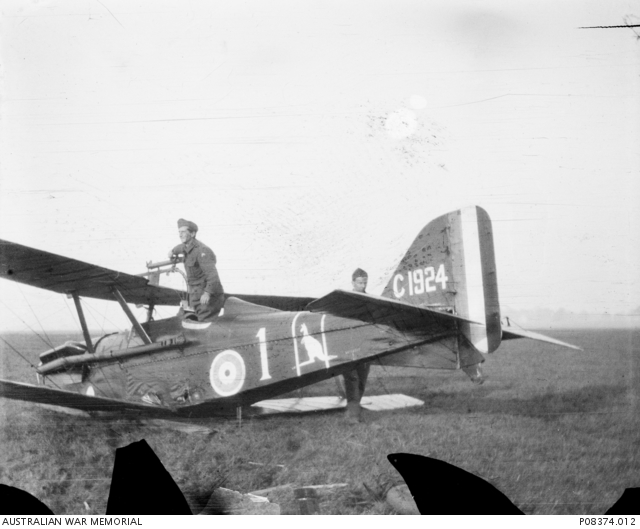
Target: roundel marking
(227,373)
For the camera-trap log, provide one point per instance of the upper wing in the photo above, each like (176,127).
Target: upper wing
(511,334)
(68,399)
(62,274)
(385,311)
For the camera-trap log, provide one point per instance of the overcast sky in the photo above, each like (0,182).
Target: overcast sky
(310,138)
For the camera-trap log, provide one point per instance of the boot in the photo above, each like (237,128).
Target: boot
(353,412)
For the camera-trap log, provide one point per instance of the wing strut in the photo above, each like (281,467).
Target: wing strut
(83,322)
(136,324)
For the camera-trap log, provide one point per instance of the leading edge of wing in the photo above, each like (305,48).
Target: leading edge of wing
(378,310)
(62,274)
(67,399)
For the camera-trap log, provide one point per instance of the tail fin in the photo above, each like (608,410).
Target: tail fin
(451,265)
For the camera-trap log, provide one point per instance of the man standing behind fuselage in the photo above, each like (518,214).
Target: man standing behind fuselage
(206,295)
(356,380)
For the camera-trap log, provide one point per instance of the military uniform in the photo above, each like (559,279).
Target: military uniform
(354,384)
(202,276)
(355,381)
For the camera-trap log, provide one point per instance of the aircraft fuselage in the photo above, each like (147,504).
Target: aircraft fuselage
(247,354)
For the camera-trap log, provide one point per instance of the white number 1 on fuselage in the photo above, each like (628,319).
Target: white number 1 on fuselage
(264,361)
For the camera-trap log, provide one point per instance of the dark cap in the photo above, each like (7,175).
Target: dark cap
(191,226)
(359,273)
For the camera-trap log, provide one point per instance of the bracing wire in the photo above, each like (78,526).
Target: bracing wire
(92,311)
(25,359)
(35,316)
(18,353)
(48,344)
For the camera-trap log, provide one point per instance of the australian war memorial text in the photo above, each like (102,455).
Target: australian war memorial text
(32,520)
(70,520)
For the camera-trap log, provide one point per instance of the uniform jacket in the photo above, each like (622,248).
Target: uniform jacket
(200,264)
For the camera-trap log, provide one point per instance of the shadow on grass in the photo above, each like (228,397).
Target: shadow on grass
(601,398)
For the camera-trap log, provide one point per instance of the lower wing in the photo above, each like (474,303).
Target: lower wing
(310,404)
(68,399)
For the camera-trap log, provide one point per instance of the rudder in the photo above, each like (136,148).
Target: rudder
(451,266)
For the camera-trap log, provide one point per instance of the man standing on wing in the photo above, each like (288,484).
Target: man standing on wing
(356,380)
(206,295)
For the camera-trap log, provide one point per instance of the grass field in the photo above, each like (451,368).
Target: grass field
(556,430)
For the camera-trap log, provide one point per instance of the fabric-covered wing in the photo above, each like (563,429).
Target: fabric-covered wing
(62,274)
(68,399)
(385,311)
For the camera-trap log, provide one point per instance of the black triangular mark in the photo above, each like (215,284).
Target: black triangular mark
(18,501)
(141,485)
(441,488)
(629,503)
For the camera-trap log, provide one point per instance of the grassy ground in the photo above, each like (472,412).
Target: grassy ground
(555,430)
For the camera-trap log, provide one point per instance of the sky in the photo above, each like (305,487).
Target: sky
(310,138)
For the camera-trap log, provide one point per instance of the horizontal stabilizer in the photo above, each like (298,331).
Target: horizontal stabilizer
(68,399)
(512,334)
(309,404)
(61,274)
(384,311)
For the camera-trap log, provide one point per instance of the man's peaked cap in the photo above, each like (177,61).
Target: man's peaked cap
(192,226)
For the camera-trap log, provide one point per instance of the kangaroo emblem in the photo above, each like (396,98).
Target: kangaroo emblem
(314,348)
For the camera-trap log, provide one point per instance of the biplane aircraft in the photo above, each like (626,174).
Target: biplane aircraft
(439,309)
